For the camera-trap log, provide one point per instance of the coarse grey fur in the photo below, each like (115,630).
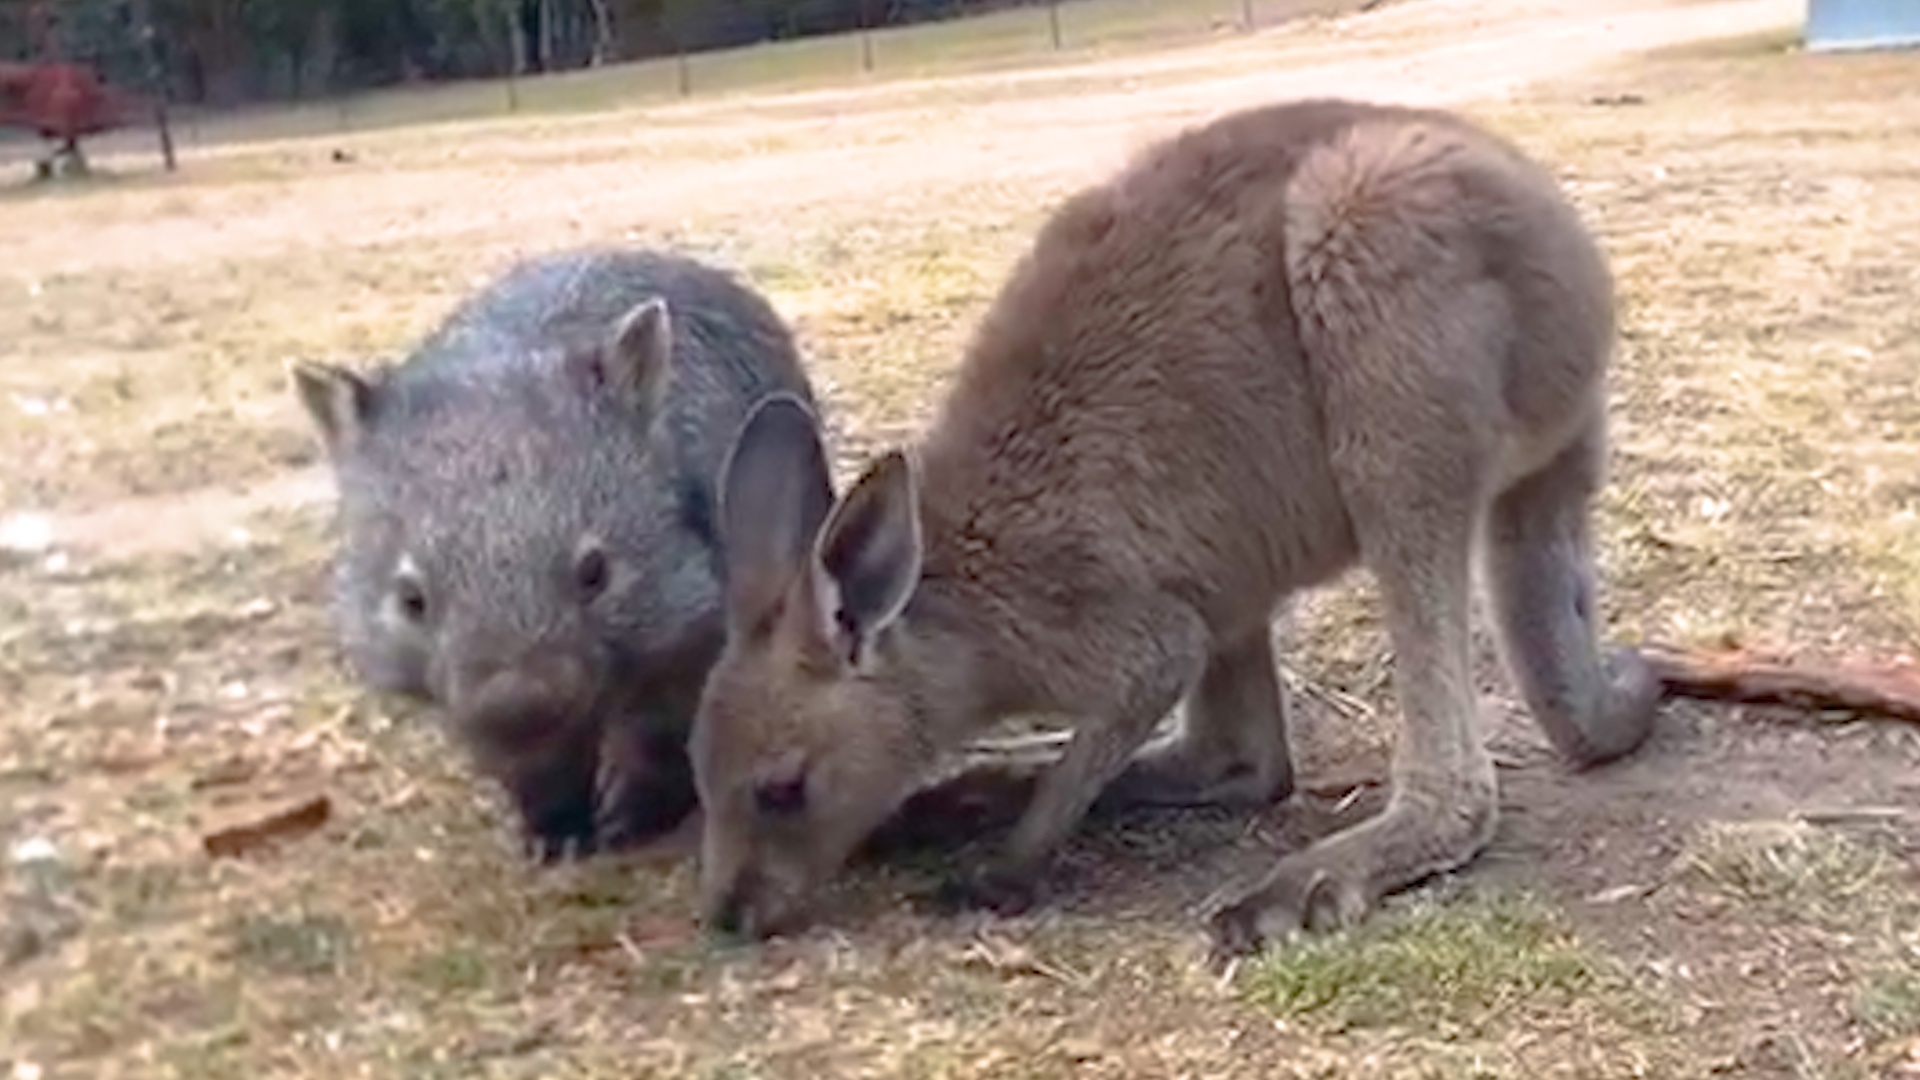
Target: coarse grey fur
(1299,338)
(527,531)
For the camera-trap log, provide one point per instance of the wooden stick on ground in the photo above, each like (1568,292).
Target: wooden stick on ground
(1889,691)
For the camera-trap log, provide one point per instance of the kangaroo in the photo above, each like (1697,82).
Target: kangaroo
(1298,338)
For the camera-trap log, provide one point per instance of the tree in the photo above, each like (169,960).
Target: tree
(603,45)
(220,51)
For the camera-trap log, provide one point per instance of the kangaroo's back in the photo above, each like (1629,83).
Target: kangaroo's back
(1150,384)
(1438,262)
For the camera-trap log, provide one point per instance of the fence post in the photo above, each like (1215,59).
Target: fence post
(166,131)
(513,57)
(866,36)
(1246,14)
(1053,22)
(157,83)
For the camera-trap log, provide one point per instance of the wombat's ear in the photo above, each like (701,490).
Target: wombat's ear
(339,402)
(774,492)
(866,563)
(638,358)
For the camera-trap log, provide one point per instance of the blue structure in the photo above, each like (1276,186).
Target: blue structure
(1862,24)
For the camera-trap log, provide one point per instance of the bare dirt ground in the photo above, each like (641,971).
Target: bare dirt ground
(1742,898)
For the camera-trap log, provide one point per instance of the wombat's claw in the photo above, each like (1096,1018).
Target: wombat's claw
(614,829)
(549,850)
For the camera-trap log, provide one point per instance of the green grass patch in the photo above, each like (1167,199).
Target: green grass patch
(1888,1006)
(1445,965)
(457,969)
(308,946)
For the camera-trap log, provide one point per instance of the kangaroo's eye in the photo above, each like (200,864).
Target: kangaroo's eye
(781,796)
(410,596)
(590,573)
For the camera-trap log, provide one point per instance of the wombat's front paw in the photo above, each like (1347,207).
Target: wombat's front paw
(642,790)
(631,817)
(559,834)
(546,850)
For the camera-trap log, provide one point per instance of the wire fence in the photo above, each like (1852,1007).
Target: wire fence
(1010,37)
(296,66)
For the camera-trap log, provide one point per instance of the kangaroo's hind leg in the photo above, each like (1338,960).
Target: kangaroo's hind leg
(1417,529)
(1407,327)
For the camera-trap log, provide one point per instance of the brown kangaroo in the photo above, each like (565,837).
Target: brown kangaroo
(1296,338)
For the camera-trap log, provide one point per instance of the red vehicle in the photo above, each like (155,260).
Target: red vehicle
(61,102)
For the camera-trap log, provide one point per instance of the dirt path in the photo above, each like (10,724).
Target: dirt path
(1431,52)
(870,142)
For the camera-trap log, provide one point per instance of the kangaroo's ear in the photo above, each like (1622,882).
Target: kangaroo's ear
(866,563)
(339,402)
(775,491)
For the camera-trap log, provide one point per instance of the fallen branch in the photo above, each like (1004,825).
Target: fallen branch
(260,827)
(1890,691)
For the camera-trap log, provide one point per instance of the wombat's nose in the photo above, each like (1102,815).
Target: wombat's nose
(529,702)
(563,668)
(513,714)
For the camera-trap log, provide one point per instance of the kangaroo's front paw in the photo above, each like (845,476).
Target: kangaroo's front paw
(998,889)
(1298,895)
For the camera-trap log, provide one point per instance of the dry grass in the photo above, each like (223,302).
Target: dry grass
(1763,212)
(1796,869)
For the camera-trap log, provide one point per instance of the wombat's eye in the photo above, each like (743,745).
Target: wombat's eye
(590,573)
(411,596)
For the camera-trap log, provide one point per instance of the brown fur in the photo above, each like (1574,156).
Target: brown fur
(1299,337)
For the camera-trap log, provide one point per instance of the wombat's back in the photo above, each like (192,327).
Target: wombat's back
(728,338)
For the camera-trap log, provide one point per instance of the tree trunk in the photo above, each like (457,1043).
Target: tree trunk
(602,34)
(517,38)
(546,35)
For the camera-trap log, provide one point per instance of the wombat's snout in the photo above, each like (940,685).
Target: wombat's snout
(534,727)
(528,707)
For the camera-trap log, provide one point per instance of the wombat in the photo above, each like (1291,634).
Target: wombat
(1296,339)
(526,507)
